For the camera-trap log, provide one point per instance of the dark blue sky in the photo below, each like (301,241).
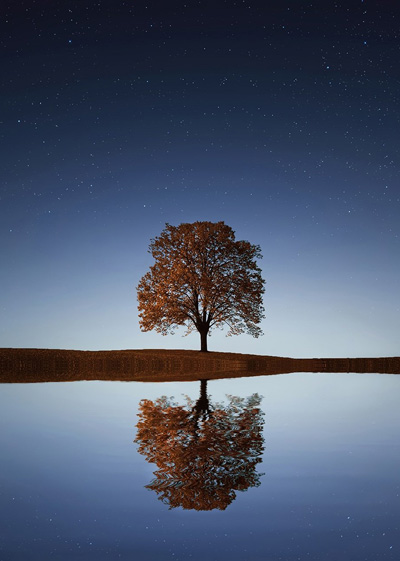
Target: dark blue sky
(282,119)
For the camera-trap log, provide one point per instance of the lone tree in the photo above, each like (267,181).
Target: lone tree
(202,278)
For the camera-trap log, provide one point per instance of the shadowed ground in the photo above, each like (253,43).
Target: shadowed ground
(56,365)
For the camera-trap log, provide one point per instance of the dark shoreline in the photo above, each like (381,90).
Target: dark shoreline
(158,365)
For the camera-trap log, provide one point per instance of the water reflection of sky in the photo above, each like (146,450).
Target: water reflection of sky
(73,485)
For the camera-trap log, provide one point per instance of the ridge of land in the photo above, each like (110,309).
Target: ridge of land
(29,365)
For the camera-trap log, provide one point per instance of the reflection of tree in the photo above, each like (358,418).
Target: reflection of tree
(204,453)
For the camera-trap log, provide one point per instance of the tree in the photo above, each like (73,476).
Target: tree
(202,278)
(204,452)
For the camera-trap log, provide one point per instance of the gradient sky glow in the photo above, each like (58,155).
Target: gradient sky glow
(282,119)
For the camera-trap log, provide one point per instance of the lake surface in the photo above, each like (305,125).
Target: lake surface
(319,481)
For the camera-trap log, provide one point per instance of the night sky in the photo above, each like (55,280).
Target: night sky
(280,118)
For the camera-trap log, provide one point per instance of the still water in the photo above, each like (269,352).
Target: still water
(310,471)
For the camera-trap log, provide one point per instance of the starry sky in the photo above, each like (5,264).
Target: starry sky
(280,118)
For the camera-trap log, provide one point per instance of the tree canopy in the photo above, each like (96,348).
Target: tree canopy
(204,453)
(202,278)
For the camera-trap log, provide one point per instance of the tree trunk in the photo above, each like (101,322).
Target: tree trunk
(203,392)
(203,340)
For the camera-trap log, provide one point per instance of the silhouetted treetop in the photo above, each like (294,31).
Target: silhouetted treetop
(202,278)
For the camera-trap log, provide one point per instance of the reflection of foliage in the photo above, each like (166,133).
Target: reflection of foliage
(203,454)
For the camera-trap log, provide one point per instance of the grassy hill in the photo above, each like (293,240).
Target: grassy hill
(160,365)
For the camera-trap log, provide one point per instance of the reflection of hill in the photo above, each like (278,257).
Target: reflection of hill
(54,365)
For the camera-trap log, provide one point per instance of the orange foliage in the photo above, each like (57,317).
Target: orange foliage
(202,277)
